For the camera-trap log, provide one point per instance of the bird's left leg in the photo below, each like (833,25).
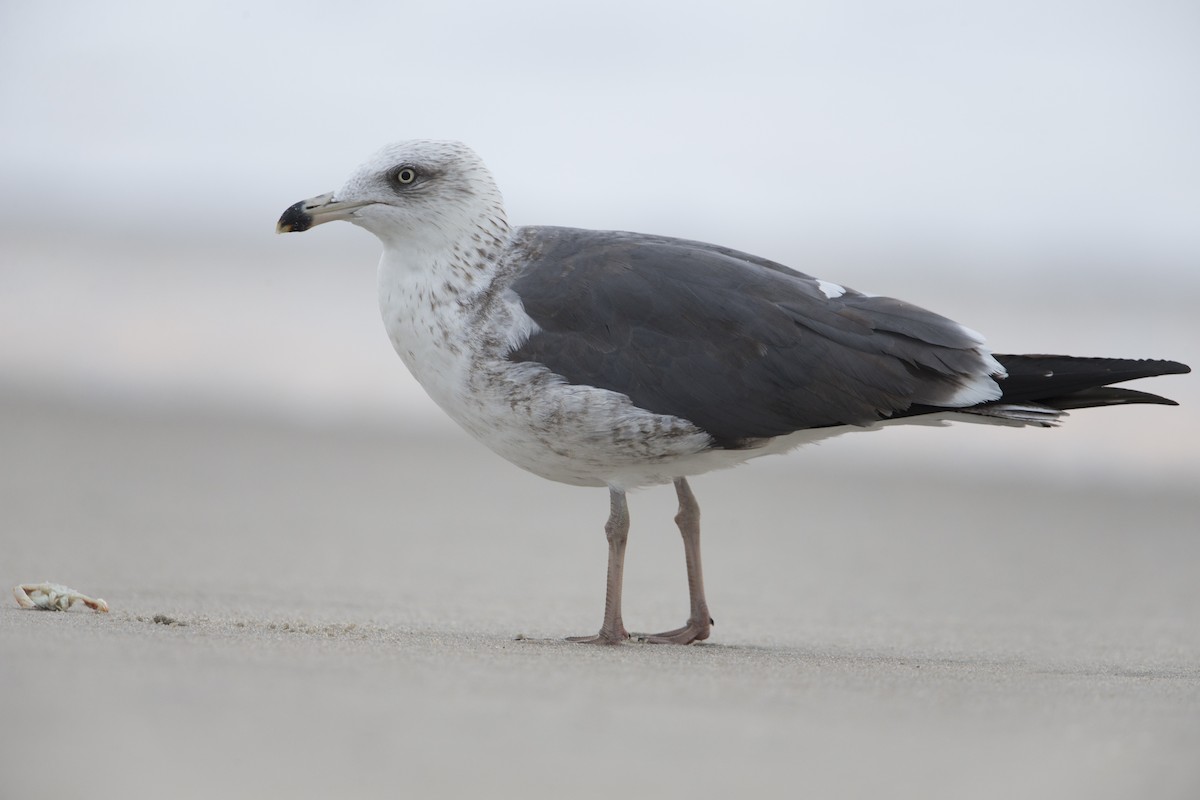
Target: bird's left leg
(699,622)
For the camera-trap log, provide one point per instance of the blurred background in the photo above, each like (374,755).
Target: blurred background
(1028,168)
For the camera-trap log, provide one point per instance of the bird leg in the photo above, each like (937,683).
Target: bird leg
(699,622)
(612,631)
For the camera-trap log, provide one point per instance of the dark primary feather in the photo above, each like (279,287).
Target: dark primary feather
(746,348)
(1038,387)
(1067,382)
(1046,379)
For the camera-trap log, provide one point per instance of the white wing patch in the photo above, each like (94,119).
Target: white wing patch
(994,367)
(973,391)
(831,290)
(519,326)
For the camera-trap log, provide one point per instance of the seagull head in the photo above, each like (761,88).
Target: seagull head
(423,190)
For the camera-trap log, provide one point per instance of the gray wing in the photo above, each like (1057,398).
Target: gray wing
(742,347)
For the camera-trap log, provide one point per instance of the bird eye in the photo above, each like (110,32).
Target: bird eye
(405,175)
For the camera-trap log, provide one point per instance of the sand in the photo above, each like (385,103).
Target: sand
(304,610)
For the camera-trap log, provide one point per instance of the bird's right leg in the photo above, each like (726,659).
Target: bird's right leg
(617,530)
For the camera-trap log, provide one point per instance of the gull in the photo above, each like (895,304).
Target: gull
(624,360)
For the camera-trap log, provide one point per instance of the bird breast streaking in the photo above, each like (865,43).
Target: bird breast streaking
(603,358)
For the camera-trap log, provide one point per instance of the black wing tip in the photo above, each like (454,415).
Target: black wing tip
(1094,358)
(1082,382)
(1164,366)
(1107,396)
(1146,367)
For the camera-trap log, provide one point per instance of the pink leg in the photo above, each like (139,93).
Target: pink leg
(617,530)
(699,622)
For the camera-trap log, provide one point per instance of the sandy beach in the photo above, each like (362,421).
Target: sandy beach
(308,610)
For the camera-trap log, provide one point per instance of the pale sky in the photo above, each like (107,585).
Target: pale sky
(1052,121)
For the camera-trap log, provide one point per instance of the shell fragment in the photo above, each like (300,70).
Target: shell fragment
(54,597)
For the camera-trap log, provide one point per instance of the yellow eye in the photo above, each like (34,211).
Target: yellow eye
(405,175)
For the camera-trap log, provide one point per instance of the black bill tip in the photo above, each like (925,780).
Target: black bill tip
(295,220)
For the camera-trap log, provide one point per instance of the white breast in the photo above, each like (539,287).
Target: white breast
(425,325)
(455,339)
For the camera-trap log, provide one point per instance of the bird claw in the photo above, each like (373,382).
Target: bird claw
(693,631)
(603,637)
(54,597)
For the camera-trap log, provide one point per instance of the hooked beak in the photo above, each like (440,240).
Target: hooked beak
(314,211)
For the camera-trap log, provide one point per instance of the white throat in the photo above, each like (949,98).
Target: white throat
(426,294)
